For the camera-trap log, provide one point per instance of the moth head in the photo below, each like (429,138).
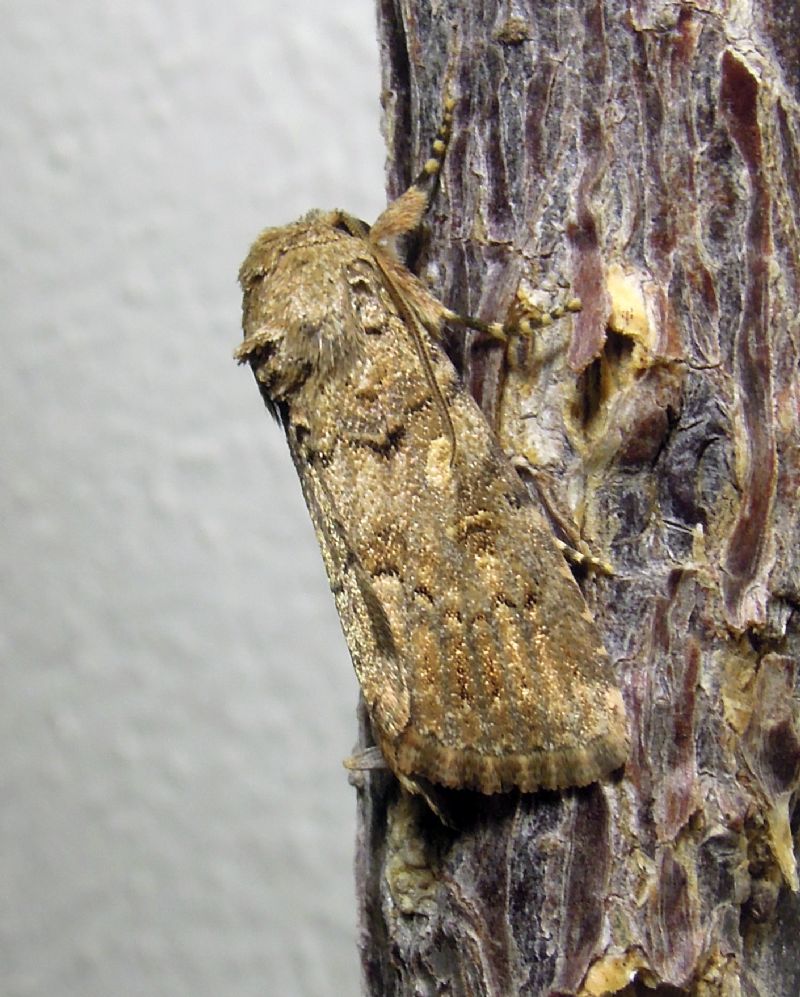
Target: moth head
(298,318)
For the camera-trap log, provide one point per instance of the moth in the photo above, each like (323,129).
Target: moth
(478,659)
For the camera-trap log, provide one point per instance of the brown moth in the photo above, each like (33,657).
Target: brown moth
(478,659)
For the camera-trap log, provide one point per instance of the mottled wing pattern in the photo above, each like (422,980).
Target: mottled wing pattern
(477,656)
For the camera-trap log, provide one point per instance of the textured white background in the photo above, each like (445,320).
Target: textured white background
(176,695)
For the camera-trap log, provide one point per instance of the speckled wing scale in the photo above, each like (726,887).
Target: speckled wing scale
(478,659)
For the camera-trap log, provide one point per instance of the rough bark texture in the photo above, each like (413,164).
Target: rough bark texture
(649,154)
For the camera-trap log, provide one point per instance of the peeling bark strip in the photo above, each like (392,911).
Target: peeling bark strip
(650,155)
(745,584)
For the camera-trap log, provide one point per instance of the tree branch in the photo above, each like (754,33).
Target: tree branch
(651,155)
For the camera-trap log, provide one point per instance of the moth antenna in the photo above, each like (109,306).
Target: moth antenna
(402,217)
(415,327)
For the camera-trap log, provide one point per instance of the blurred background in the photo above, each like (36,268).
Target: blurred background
(177,697)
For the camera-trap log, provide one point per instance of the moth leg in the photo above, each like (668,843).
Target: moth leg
(589,561)
(367,760)
(533,316)
(524,318)
(435,796)
(404,215)
(563,522)
(372,760)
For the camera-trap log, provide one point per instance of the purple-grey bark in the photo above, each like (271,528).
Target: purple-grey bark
(648,154)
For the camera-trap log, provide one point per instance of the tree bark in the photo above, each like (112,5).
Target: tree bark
(649,154)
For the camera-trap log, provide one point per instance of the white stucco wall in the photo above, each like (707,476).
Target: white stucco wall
(176,694)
